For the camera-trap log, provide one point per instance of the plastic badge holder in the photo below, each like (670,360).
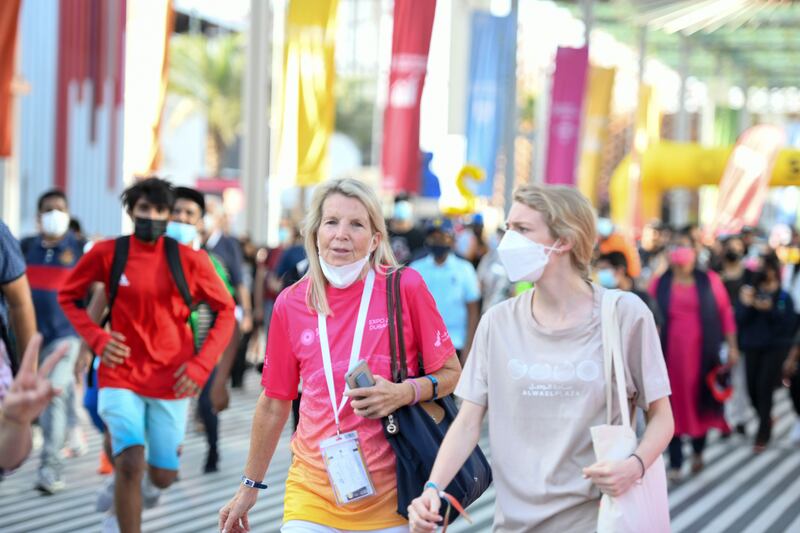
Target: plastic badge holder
(346,467)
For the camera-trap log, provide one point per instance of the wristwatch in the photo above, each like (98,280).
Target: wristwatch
(435,383)
(247,482)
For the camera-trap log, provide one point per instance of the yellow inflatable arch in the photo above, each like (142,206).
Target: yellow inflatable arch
(667,165)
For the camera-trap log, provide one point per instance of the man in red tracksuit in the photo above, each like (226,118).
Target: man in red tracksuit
(149,368)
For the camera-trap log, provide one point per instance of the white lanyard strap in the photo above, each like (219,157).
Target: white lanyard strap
(355,352)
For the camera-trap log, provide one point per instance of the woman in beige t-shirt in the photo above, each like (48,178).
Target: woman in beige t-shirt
(536,368)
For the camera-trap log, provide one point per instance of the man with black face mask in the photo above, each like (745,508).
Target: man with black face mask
(453,283)
(149,366)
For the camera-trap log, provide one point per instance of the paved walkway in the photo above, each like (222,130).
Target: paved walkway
(737,492)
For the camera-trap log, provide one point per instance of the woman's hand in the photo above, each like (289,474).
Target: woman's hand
(423,513)
(381,399)
(614,477)
(233,517)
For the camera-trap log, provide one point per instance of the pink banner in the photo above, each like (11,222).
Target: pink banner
(744,184)
(566,105)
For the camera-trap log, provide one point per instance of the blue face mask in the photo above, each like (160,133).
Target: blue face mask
(605,227)
(403,211)
(607,279)
(283,235)
(183,233)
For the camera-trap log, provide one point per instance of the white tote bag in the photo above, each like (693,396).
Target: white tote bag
(645,507)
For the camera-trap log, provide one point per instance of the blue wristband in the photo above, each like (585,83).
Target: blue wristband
(435,383)
(247,482)
(432,485)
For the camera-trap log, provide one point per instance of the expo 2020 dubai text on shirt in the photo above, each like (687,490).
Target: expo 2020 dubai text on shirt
(293,352)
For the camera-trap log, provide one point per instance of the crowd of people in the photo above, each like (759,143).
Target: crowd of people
(130,330)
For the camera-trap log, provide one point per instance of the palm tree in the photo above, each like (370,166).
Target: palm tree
(207,72)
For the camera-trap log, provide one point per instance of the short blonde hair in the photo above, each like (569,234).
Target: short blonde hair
(383,257)
(569,217)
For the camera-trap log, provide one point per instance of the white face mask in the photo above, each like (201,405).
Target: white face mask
(343,276)
(523,259)
(55,223)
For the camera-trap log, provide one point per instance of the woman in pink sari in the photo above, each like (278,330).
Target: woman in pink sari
(698,319)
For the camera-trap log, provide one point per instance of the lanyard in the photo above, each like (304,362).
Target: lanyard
(358,335)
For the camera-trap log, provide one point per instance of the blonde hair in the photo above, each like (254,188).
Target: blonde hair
(569,216)
(382,258)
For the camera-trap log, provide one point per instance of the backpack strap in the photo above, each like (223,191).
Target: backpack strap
(122,246)
(172,249)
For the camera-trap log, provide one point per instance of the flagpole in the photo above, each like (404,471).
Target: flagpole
(256,141)
(511,113)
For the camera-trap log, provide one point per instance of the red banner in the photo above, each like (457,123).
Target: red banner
(9,15)
(744,184)
(401,162)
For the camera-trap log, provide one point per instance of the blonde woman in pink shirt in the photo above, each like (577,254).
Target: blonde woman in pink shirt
(343,474)
(536,370)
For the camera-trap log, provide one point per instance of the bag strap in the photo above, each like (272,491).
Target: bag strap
(392,331)
(122,246)
(176,269)
(612,356)
(398,315)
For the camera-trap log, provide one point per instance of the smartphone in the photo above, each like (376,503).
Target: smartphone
(360,376)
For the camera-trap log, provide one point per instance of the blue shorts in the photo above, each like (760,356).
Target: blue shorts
(135,420)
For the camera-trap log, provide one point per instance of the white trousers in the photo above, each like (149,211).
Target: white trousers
(300,526)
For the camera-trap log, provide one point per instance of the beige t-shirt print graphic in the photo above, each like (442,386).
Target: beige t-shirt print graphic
(543,390)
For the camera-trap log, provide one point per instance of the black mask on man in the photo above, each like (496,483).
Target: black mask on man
(440,251)
(148,229)
(732,257)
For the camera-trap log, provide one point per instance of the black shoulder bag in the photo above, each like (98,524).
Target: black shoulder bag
(415,432)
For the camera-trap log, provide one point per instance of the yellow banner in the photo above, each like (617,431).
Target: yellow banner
(647,131)
(595,128)
(308,104)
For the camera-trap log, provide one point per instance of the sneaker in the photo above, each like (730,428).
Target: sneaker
(674,475)
(211,461)
(794,436)
(105,497)
(150,493)
(37,438)
(697,464)
(49,482)
(105,467)
(76,443)
(110,524)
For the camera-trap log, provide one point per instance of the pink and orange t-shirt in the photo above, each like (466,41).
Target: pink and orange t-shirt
(293,352)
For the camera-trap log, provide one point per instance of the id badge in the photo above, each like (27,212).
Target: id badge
(347,469)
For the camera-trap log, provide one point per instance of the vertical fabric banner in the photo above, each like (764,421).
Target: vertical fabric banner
(566,105)
(490,59)
(90,74)
(147,58)
(9,15)
(595,129)
(744,184)
(647,131)
(308,104)
(411,39)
